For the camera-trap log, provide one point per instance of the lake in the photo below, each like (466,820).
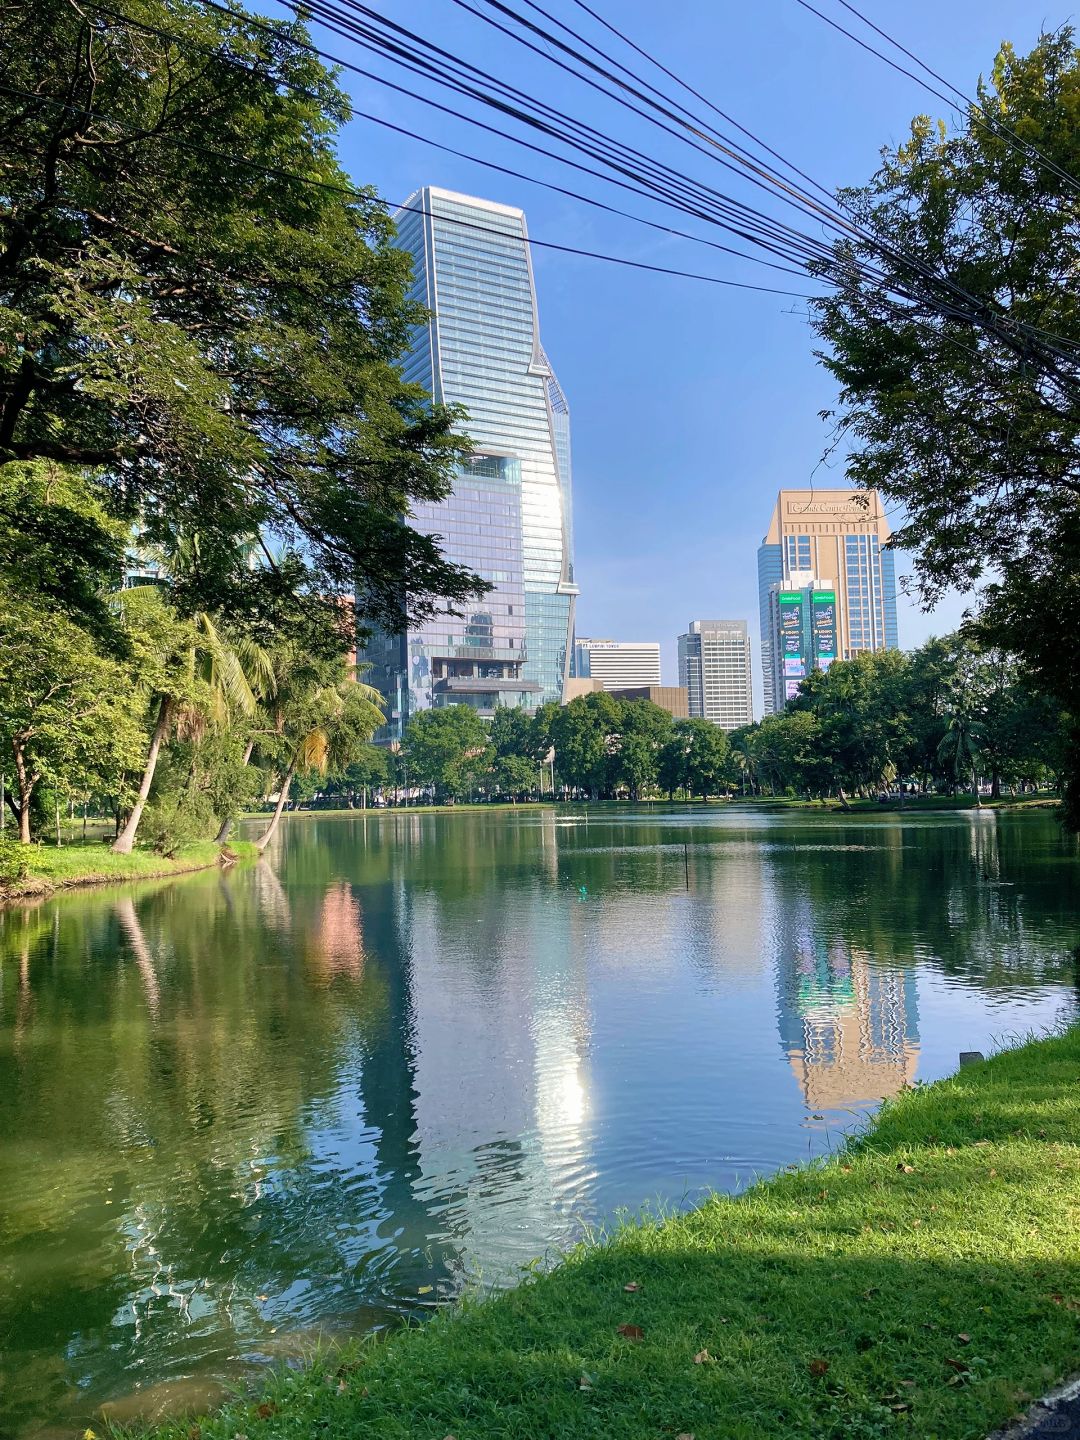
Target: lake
(411,1053)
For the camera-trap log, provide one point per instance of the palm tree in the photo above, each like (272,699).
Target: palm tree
(961,744)
(199,677)
(324,720)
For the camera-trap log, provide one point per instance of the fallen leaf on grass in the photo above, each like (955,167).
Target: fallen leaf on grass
(961,1366)
(702,1358)
(818,1367)
(195,1433)
(684,1436)
(907,1169)
(585,1383)
(269,1408)
(964,1338)
(631,1332)
(871,1292)
(900,1407)
(633,1285)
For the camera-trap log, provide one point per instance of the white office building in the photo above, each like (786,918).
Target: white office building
(714,666)
(617,664)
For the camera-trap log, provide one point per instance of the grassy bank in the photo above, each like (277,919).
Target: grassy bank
(357,813)
(926,1281)
(50,868)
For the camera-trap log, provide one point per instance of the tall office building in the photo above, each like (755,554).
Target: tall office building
(617,664)
(714,667)
(509,517)
(828,545)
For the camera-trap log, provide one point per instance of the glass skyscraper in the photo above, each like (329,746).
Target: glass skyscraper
(826,585)
(509,518)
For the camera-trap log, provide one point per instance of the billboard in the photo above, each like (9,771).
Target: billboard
(823,614)
(792,657)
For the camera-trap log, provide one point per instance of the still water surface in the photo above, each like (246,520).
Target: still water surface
(239,1110)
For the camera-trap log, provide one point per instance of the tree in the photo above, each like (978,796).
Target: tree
(790,752)
(369,770)
(515,775)
(960,745)
(643,730)
(324,720)
(66,712)
(198,308)
(194,676)
(583,736)
(447,749)
(861,708)
(963,402)
(58,544)
(708,758)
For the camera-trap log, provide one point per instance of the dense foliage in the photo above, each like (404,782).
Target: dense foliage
(967,418)
(946,718)
(200,327)
(198,307)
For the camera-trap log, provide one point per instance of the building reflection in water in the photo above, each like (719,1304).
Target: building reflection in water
(848,1024)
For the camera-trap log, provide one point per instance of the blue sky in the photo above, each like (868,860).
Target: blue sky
(691,404)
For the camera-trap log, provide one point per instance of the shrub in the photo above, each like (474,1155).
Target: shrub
(167,827)
(13,862)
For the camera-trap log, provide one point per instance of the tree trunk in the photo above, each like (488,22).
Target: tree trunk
(26,790)
(125,841)
(842,797)
(271,830)
(995,786)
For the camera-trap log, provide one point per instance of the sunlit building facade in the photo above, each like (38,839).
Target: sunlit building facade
(714,670)
(830,545)
(509,517)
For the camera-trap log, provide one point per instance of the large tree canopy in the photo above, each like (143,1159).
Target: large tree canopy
(198,306)
(966,413)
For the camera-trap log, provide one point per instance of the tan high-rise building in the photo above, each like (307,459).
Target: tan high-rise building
(826,585)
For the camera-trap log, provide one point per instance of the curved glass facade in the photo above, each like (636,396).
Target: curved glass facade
(512,522)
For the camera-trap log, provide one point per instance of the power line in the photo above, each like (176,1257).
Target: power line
(994,124)
(358,194)
(187,43)
(1000,323)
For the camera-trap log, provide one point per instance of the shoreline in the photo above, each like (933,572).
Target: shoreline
(923,1280)
(935,805)
(123,869)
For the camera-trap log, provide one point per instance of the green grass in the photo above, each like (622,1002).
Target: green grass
(49,867)
(924,1282)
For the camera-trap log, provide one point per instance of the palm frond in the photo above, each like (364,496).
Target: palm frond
(314,751)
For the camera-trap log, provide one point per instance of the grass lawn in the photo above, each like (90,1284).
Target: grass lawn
(50,867)
(924,1282)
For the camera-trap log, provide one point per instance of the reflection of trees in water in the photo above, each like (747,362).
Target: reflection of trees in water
(986,901)
(983,901)
(198,1115)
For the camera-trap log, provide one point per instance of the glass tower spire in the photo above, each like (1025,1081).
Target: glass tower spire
(509,518)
